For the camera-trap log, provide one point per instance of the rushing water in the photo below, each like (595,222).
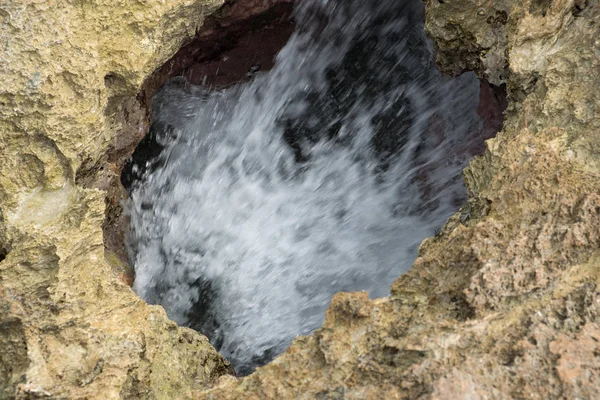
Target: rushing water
(323,175)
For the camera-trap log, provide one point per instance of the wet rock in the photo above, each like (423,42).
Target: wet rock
(242,38)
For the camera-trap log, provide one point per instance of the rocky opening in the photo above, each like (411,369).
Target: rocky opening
(354,118)
(241,35)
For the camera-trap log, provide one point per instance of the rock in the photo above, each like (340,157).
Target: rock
(241,38)
(504,301)
(69,326)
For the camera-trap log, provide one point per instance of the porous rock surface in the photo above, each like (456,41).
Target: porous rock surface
(69,326)
(504,302)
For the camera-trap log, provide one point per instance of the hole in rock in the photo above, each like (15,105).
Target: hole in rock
(252,203)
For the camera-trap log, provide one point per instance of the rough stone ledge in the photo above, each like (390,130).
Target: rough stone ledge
(69,326)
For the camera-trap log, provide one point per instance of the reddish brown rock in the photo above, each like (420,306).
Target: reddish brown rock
(242,38)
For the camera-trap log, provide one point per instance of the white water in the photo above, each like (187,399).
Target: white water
(237,239)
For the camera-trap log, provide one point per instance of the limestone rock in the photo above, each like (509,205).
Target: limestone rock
(504,302)
(69,327)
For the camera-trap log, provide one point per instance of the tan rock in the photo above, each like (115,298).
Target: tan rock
(503,303)
(69,327)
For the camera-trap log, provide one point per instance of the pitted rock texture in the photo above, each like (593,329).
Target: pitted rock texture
(504,302)
(69,326)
